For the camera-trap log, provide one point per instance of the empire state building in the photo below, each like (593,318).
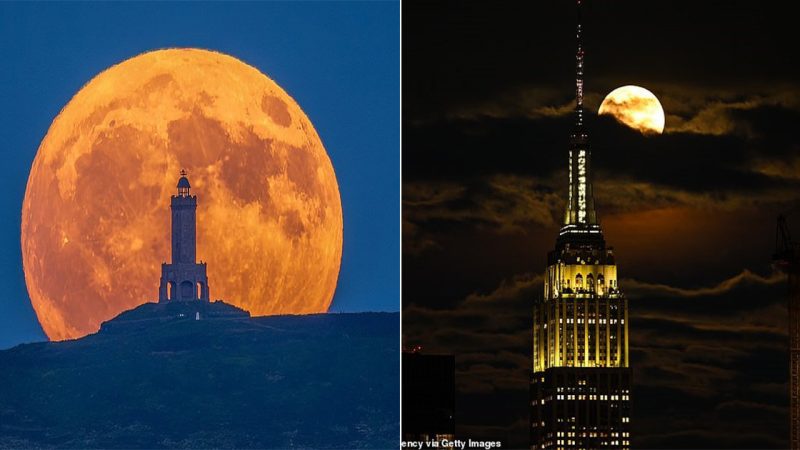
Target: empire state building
(581,380)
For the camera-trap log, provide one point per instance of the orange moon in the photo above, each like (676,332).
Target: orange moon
(636,107)
(96,217)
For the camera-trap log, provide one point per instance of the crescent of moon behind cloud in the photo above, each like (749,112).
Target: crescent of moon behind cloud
(635,107)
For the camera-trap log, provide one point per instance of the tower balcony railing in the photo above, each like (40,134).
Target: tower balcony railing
(588,293)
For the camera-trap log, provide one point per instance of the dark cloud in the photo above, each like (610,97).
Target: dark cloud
(723,159)
(637,289)
(508,174)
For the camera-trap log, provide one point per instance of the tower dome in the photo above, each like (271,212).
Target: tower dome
(183,184)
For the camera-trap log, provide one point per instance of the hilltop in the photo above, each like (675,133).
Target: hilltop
(154,377)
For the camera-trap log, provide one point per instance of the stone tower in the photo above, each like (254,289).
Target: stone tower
(184,279)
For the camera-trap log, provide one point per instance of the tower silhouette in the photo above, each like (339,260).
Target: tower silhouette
(184,279)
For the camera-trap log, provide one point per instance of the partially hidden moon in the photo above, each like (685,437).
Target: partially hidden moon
(96,218)
(635,107)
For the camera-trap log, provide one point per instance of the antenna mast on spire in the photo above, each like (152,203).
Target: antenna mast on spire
(579,73)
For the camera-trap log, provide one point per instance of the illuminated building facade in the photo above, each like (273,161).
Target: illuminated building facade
(581,381)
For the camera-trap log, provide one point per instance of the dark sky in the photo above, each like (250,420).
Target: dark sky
(487,88)
(339,60)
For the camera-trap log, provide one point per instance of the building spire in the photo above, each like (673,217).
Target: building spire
(579,74)
(580,219)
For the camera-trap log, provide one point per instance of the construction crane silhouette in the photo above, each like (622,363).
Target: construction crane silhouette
(787,260)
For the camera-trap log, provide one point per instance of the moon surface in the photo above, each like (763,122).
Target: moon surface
(636,107)
(96,217)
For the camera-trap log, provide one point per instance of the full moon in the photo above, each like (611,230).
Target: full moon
(636,107)
(96,218)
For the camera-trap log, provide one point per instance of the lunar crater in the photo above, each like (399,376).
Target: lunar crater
(276,109)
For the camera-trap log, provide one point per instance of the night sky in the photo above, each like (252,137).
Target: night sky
(338,60)
(487,93)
